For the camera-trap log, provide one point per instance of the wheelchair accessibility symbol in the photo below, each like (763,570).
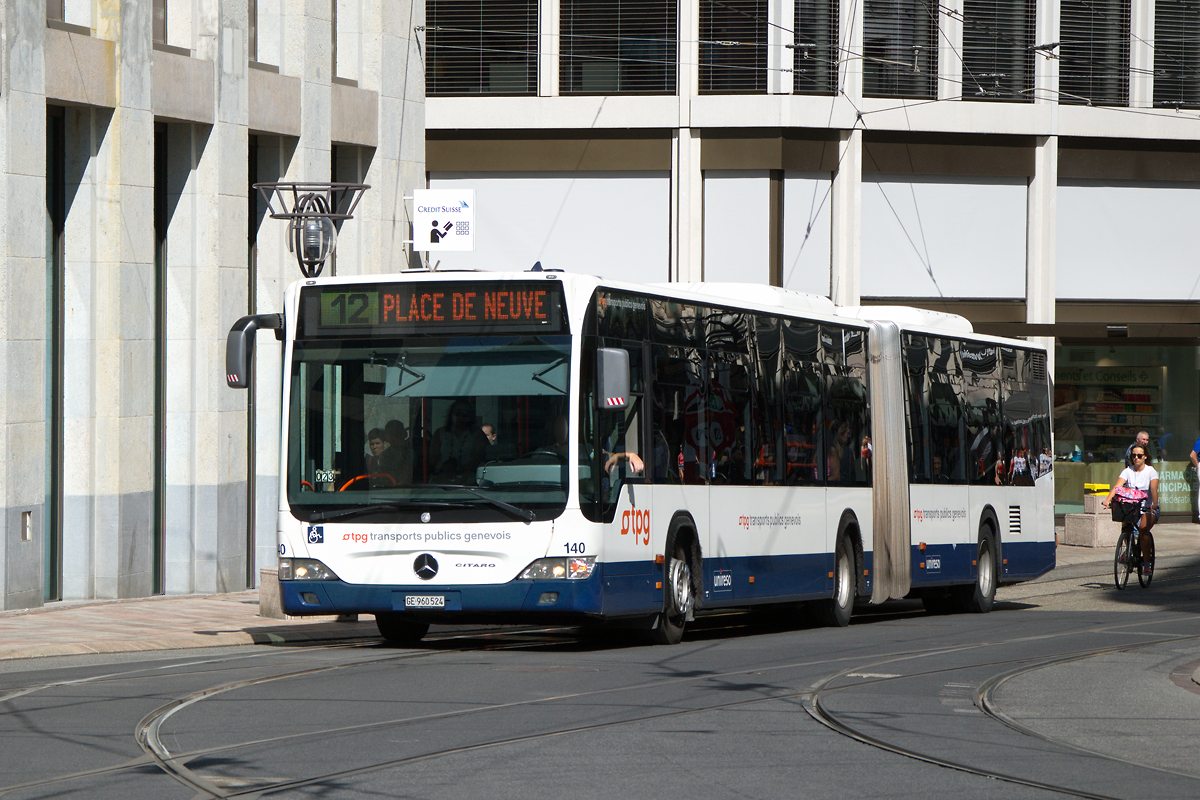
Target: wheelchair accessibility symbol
(316,534)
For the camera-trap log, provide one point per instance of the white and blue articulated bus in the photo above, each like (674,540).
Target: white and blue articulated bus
(545,447)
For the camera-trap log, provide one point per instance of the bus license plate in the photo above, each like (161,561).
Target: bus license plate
(424,601)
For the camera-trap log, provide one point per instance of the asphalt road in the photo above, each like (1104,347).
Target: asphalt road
(1068,688)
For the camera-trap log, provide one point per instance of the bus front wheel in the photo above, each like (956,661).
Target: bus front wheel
(398,629)
(678,598)
(836,611)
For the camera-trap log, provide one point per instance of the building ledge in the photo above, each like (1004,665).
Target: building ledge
(80,69)
(183,87)
(274,103)
(355,116)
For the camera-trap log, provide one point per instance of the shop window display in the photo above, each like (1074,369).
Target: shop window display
(1103,395)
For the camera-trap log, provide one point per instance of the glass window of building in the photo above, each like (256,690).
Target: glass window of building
(1176,53)
(1103,396)
(614,46)
(900,48)
(815,61)
(481,48)
(733,46)
(998,59)
(1094,52)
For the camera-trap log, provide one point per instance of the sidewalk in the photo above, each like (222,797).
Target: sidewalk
(161,623)
(171,623)
(1170,539)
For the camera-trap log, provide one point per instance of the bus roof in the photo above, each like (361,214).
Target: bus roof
(757,293)
(909,317)
(787,301)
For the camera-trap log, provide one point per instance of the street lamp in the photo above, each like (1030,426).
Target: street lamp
(312,211)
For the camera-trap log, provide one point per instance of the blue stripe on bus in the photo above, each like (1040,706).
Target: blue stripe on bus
(631,588)
(945,564)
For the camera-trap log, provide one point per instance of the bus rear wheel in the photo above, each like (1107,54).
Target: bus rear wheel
(835,612)
(398,629)
(978,599)
(678,598)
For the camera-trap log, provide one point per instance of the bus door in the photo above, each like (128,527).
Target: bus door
(942,532)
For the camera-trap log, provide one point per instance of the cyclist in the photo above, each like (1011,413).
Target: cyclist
(1141,476)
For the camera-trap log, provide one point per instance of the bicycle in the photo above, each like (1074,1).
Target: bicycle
(1129,557)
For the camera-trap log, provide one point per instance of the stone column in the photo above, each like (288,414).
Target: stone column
(275,269)
(687,180)
(307,54)
(1041,242)
(781,36)
(845,274)
(1141,54)
(207,288)
(124,317)
(86,176)
(687,196)
(1045,68)
(548,47)
(22,305)
(845,268)
(952,82)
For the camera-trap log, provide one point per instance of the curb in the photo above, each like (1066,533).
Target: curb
(273,636)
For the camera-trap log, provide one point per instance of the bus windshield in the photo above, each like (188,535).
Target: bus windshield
(474,425)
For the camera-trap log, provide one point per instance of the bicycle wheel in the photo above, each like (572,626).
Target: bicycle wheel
(1122,561)
(1146,570)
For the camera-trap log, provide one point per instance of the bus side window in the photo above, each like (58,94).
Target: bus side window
(803,436)
(917,401)
(668,412)
(1041,455)
(849,430)
(732,418)
(983,431)
(856,363)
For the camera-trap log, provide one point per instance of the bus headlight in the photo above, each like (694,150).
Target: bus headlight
(304,569)
(557,569)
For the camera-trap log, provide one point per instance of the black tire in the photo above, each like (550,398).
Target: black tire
(835,612)
(978,599)
(1122,561)
(399,629)
(679,595)
(1146,570)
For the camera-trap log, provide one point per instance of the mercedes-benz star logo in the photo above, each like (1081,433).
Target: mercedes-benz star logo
(425,566)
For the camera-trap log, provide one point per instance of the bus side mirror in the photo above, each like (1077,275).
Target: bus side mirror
(239,346)
(612,378)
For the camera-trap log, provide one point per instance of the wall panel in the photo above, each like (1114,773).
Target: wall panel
(615,224)
(970,234)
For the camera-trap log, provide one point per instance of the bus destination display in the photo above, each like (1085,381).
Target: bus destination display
(494,307)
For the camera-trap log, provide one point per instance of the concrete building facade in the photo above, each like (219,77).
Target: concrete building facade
(1033,166)
(130,240)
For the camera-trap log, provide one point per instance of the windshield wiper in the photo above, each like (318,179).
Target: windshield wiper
(396,505)
(523,513)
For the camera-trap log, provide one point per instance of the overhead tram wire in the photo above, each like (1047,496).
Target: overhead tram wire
(848,55)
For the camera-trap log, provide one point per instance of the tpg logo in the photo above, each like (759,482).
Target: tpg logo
(637,523)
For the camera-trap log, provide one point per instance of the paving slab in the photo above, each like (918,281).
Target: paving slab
(160,623)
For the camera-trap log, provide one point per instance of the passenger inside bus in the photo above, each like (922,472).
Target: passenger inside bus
(458,447)
(841,456)
(397,459)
